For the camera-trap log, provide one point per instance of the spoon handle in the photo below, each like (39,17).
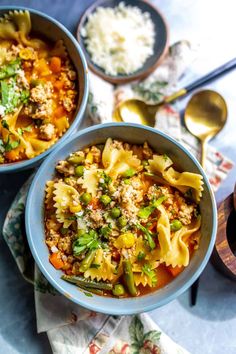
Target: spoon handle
(223,69)
(203,153)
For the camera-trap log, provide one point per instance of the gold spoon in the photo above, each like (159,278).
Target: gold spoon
(205,116)
(137,111)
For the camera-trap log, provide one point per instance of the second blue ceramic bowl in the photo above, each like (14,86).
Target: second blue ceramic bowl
(132,133)
(51,29)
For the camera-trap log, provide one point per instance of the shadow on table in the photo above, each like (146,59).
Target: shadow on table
(18,321)
(216,297)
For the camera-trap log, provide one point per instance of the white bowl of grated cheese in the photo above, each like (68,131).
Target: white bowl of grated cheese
(123,41)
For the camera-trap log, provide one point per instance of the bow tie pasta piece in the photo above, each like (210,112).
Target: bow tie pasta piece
(179,252)
(159,163)
(117,161)
(183,181)
(142,279)
(65,197)
(105,270)
(163,230)
(49,194)
(90,181)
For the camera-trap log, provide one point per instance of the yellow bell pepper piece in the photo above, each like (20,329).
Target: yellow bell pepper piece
(126,240)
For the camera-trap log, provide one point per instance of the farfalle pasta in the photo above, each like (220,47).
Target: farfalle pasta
(37,90)
(120,220)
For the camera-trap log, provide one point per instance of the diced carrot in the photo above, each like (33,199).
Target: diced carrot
(58,85)
(56,261)
(55,64)
(95,203)
(175,270)
(13,155)
(59,112)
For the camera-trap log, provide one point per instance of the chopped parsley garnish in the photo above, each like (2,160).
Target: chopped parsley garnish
(148,236)
(141,256)
(146,269)
(105,180)
(11,145)
(105,231)
(86,242)
(145,212)
(10,69)
(4,124)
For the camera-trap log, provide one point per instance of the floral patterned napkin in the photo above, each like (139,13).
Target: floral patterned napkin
(72,329)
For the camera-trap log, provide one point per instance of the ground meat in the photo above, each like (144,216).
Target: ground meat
(66,81)
(147,151)
(71,74)
(96,154)
(65,168)
(96,218)
(52,239)
(68,104)
(65,244)
(47,131)
(186,213)
(41,93)
(43,110)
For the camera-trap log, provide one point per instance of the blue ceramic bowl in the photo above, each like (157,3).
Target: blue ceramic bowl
(161,143)
(53,30)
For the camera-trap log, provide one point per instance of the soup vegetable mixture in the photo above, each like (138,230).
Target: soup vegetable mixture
(37,90)
(120,220)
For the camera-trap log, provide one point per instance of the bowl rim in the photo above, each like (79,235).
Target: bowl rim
(26,164)
(119,310)
(133,76)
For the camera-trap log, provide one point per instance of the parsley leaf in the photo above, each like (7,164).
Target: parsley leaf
(145,212)
(146,269)
(87,241)
(11,145)
(4,124)
(10,69)
(148,236)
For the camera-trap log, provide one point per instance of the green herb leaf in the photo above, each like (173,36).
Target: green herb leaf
(85,242)
(148,236)
(10,69)
(88,294)
(95,265)
(141,256)
(24,97)
(11,145)
(10,97)
(4,124)
(145,212)
(146,269)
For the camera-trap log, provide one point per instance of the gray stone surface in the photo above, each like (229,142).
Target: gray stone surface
(209,327)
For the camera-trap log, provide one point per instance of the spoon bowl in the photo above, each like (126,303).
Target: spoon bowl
(205,116)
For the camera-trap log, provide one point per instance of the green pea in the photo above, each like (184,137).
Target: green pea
(76,159)
(63,230)
(86,198)
(105,199)
(79,171)
(115,213)
(118,290)
(176,225)
(122,221)
(129,173)
(127,181)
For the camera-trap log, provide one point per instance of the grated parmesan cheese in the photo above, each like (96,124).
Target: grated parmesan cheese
(119,39)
